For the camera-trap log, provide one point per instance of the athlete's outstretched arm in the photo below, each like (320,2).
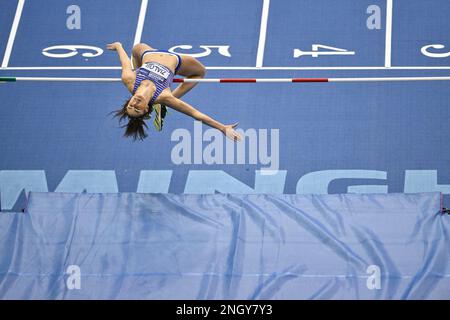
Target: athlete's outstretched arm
(128,75)
(189,110)
(185,87)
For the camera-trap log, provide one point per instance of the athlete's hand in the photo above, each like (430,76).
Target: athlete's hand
(114,46)
(228,130)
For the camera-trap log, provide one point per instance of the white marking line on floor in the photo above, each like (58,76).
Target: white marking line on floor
(262,34)
(12,34)
(246,68)
(388,53)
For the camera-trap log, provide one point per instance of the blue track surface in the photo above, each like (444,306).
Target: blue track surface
(327,138)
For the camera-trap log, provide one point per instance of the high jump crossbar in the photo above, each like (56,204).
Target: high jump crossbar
(233,80)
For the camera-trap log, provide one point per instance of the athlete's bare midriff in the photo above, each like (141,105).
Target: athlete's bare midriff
(165,59)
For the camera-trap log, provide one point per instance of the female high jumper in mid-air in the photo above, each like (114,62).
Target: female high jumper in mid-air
(150,86)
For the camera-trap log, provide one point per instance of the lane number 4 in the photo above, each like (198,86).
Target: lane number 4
(322,50)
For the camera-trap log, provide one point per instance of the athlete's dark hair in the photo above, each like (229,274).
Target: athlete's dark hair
(135,127)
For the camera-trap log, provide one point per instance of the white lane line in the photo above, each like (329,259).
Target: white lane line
(243,68)
(262,34)
(12,34)
(388,53)
(140,25)
(239,80)
(330,68)
(61,68)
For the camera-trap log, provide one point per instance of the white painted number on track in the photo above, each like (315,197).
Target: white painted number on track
(315,53)
(435,55)
(222,50)
(71,51)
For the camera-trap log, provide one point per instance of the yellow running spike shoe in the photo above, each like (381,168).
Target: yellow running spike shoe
(160,114)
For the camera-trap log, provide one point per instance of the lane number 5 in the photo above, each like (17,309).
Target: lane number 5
(223,50)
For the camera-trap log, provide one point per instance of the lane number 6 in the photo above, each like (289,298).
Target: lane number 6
(71,51)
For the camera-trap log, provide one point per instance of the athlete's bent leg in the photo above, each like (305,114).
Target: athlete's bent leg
(138,50)
(190,68)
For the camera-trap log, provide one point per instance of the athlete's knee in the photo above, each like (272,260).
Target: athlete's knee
(138,48)
(202,71)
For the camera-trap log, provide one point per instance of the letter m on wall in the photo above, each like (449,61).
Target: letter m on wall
(14,182)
